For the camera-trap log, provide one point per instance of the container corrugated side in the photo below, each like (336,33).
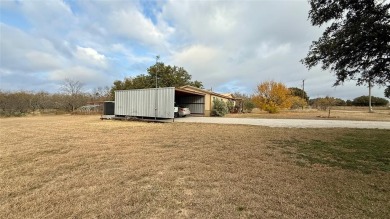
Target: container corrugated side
(154,102)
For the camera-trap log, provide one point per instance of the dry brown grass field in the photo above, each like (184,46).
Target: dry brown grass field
(81,167)
(337,113)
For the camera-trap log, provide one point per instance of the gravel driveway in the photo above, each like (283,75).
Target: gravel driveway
(290,123)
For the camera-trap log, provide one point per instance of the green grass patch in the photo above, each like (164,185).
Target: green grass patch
(361,150)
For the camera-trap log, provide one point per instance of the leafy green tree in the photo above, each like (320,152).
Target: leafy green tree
(363,101)
(356,44)
(299,93)
(171,76)
(230,106)
(387,92)
(340,102)
(167,76)
(249,105)
(219,108)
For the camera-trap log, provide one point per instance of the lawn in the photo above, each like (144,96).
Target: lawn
(82,167)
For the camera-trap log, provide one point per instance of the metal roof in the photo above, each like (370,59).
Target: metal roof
(202,91)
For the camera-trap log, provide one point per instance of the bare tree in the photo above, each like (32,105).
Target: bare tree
(71,87)
(42,101)
(73,90)
(20,102)
(101,93)
(16,103)
(326,103)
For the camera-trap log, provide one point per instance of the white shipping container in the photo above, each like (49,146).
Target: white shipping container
(153,102)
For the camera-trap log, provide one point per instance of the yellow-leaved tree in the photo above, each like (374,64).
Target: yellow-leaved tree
(298,102)
(272,96)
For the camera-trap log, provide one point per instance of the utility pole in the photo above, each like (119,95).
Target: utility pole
(157,58)
(369,97)
(155,98)
(303,92)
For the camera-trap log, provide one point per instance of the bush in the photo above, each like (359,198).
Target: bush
(230,106)
(298,102)
(219,108)
(375,101)
(237,109)
(272,96)
(323,103)
(271,109)
(249,106)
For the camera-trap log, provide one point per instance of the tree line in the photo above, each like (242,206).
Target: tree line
(274,96)
(68,99)
(71,95)
(270,96)
(354,46)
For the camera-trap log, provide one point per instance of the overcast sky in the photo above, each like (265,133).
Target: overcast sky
(228,45)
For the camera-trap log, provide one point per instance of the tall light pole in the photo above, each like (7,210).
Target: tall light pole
(157,58)
(303,92)
(369,96)
(155,98)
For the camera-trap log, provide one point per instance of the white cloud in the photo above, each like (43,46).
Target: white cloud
(43,60)
(266,51)
(133,25)
(245,42)
(78,73)
(198,54)
(90,56)
(52,18)
(22,52)
(228,45)
(125,21)
(202,62)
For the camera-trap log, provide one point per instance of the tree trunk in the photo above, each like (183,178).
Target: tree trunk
(369,97)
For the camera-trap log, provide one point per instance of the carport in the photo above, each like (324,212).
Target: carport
(159,102)
(195,101)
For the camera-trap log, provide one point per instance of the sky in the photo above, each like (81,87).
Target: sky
(230,46)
